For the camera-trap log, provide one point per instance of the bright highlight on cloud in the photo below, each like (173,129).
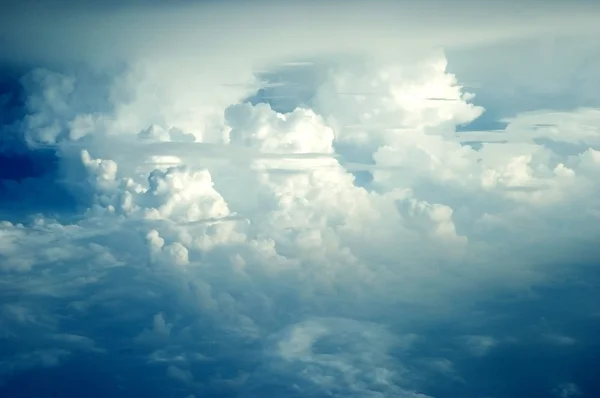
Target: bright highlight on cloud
(259,219)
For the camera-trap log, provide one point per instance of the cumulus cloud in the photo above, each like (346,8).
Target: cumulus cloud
(356,243)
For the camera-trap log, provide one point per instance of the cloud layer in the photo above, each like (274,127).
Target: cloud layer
(227,223)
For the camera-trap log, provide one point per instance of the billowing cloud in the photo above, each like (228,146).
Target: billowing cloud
(256,218)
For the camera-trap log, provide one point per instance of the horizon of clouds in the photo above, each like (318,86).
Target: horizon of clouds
(60,31)
(218,201)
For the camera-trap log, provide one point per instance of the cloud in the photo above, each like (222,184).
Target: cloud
(479,345)
(81,342)
(334,357)
(352,241)
(40,358)
(159,333)
(567,390)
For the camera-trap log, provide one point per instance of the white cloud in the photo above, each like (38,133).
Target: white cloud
(214,230)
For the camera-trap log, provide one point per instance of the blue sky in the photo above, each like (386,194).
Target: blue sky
(277,199)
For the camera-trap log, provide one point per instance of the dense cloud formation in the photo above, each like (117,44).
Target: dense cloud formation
(324,228)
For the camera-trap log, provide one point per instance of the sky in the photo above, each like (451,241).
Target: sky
(299,199)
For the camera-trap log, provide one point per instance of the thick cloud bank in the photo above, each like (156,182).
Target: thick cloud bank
(255,222)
